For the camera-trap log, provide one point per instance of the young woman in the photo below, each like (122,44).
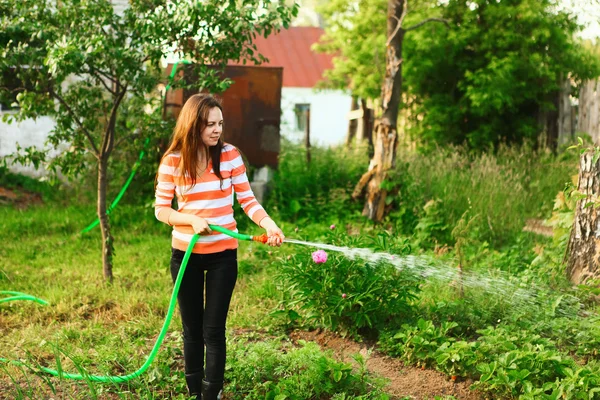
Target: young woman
(202,171)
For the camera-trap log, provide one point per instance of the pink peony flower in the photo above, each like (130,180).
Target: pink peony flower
(344,295)
(319,256)
(332,227)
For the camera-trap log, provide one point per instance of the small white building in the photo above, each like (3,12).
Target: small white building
(302,69)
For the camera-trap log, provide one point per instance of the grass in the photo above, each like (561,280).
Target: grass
(96,328)
(502,190)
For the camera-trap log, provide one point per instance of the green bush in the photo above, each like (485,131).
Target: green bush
(347,295)
(272,370)
(320,190)
(503,189)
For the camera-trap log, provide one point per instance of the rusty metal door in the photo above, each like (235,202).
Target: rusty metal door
(251,111)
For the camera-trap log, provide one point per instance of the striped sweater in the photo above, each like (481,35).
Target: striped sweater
(207,199)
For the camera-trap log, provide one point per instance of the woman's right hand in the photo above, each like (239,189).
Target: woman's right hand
(200,226)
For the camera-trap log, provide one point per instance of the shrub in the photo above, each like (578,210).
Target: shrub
(350,296)
(271,370)
(319,190)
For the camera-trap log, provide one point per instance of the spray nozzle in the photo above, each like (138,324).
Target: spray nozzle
(262,238)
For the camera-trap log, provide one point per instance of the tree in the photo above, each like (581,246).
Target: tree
(583,249)
(385,134)
(82,63)
(490,76)
(485,79)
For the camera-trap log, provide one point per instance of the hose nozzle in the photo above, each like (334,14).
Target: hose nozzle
(262,238)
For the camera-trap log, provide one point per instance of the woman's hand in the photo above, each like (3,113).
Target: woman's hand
(200,226)
(274,234)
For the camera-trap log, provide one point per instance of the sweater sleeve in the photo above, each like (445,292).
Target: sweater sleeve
(165,185)
(243,191)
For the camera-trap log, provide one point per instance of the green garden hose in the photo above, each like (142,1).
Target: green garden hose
(165,327)
(20,296)
(123,189)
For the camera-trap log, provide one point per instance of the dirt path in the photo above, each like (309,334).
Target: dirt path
(403,380)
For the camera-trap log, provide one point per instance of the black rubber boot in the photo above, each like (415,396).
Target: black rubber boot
(194,384)
(211,390)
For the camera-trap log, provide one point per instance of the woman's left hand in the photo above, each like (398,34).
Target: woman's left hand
(274,234)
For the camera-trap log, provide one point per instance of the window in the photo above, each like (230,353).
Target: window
(301,111)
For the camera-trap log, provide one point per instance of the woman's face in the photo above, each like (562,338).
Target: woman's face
(214,127)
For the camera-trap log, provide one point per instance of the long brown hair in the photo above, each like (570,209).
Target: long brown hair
(192,120)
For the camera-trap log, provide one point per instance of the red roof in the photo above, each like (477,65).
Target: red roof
(291,49)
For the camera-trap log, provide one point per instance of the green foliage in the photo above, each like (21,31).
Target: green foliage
(358,65)
(350,296)
(431,228)
(506,361)
(275,371)
(484,80)
(317,191)
(418,343)
(451,180)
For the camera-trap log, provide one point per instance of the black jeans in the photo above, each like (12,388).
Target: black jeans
(204,321)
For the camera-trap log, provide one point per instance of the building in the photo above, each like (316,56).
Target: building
(303,68)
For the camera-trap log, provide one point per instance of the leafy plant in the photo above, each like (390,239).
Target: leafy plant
(418,344)
(276,371)
(350,296)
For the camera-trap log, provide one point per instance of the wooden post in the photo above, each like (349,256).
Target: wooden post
(352,123)
(307,134)
(589,109)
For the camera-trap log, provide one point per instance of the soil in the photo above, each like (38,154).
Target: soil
(18,198)
(404,381)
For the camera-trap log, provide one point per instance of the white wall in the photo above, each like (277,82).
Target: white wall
(328,110)
(26,133)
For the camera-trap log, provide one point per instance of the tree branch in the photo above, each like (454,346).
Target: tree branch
(109,138)
(107,76)
(362,182)
(74,116)
(98,76)
(415,26)
(134,135)
(399,22)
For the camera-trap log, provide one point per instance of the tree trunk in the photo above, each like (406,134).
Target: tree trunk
(107,239)
(589,109)
(385,135)
(583,250)
(106,149)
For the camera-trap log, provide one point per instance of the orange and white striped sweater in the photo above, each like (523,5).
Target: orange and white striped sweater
(207,199)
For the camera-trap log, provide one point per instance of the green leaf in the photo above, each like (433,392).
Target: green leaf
(337,375)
